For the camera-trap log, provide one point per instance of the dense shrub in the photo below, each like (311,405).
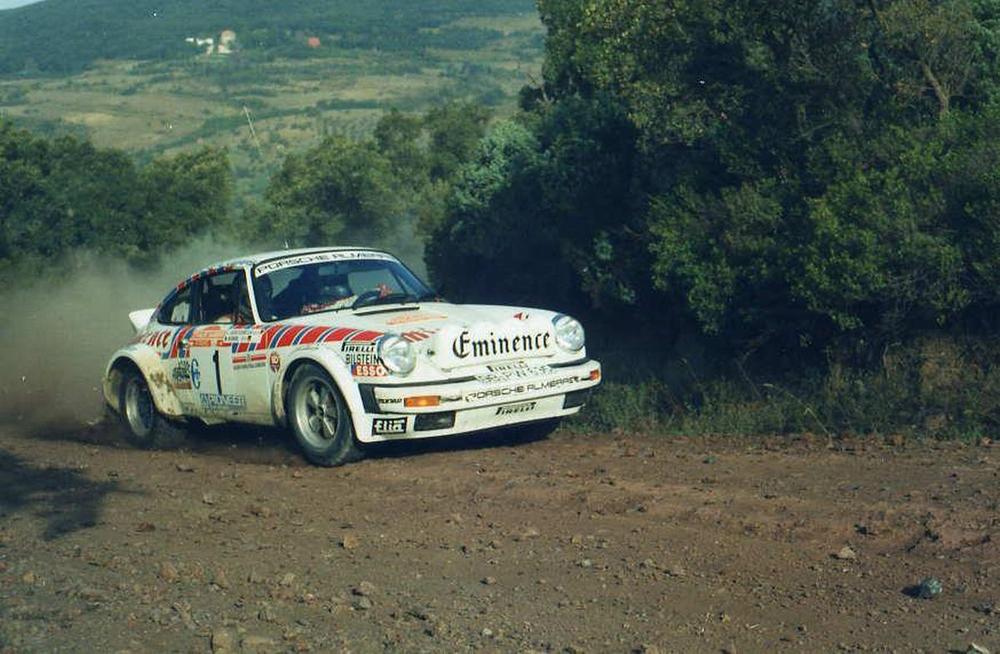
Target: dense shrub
(62,195)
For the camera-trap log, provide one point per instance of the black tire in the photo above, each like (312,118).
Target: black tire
(320,419)
(142,424)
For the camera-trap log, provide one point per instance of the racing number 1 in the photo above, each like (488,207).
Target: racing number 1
(218,373)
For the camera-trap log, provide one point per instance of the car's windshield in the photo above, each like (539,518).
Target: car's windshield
(331,281)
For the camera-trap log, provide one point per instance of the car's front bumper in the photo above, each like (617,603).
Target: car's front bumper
(475,403)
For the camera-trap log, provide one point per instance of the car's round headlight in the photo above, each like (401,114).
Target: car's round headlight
(569,333)
(397,354)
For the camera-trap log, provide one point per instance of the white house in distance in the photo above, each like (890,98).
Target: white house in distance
(226,41)
(208,44)
(225,44)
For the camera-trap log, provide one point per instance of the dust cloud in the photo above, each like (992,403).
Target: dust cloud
(57,333)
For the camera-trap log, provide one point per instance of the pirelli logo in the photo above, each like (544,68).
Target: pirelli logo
(514,409)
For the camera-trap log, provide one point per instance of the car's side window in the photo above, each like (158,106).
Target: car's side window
(244,314)
(224,299)
(177,311)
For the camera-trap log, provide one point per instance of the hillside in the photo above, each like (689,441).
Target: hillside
(67,36)
(121,72)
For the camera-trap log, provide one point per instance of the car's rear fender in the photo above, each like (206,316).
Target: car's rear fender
(147,361)
(334,366)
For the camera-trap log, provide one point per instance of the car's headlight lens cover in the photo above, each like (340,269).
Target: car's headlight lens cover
(569,333)
(397,354)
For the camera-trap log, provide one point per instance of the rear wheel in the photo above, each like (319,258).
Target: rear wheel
(144,426)
(320,419)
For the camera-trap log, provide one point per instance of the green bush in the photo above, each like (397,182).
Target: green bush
(614,406)
(935,386)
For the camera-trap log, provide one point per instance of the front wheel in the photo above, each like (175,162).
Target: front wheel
(320,419)
(143,424)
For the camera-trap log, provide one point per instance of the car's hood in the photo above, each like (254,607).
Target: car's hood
(455,335)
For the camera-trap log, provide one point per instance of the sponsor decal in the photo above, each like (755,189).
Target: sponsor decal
(239,335)
(410,318)
(319,257)
(249,361)
(506,372)
(357,347)
(369,370)
(465,346)
(389,425)
(521,315)
(206,336)
(520,389)
(360,354)
(195,374)
(158,339)
(180,375)
(250,365)
(514,409)
(222,402)
(274,361)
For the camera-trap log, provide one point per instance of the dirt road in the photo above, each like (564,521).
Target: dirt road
(581,543)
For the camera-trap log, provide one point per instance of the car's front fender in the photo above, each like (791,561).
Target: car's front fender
(334,366)
(147,360)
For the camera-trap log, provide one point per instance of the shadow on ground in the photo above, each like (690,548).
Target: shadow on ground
(65,499)
(495,438)
(254,444)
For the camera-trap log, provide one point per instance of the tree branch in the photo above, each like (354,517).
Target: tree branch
(944,100)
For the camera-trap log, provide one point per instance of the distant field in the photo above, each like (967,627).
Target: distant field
(149,108)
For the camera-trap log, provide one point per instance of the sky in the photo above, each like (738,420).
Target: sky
(10,4)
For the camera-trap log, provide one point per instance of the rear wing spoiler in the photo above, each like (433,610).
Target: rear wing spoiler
(140,318)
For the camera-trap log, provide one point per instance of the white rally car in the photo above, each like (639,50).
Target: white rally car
(345,346)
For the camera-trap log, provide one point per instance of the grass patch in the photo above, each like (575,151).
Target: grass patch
(933,387)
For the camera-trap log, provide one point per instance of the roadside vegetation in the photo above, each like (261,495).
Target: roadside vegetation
(780,218)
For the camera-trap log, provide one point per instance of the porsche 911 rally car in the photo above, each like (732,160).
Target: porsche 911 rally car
(345,346)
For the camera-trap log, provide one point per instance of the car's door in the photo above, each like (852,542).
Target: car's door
(249,364)
(215,393)
(176,319)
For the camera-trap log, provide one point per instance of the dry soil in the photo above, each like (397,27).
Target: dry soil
(579,543)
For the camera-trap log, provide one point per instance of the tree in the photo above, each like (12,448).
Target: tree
(64,195)
(778,173)
(336,190)
(185,195)
(454,131)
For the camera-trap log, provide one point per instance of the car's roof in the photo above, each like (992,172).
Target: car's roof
(254,259)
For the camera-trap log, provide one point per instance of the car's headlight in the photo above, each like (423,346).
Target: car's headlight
(569,333)
(397,354)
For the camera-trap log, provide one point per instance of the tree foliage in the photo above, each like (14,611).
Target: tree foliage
(58,196)
(771,173)
(369,191)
